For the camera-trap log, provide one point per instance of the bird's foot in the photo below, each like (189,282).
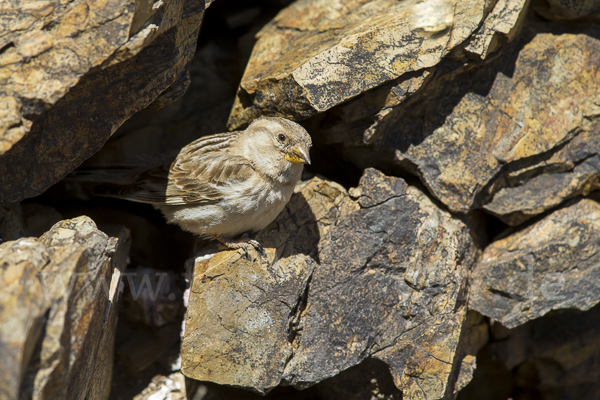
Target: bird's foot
(242,243)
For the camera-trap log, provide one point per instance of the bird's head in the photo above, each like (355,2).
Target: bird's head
(289,138)
(279,142)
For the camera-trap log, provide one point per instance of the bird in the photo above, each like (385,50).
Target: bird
(223,186)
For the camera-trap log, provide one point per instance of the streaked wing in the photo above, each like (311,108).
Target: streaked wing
(203,180)
(198,175)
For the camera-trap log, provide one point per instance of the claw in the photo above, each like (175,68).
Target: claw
(243,243)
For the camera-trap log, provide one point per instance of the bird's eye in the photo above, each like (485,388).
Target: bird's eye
(281,137)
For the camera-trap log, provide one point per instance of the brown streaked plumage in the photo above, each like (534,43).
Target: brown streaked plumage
(219,186)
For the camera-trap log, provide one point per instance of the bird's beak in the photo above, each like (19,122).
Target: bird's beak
(298,156)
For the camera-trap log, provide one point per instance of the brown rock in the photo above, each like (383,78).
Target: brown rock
(59,311)
(143,347)
(501,25)
(345,280)
(308,58)
(555,357)
(550,265)
(113,59)
(468,130)
(202,110)
(569,9)
(12,222)
(571,171)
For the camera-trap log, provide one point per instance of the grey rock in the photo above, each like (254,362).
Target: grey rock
(552,264)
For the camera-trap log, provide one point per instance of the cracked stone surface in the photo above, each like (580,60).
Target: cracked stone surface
(58,308)
(552,264)
(502,24)
(72,73)
(307,58)
(382,276)
(573,170)
(470,133)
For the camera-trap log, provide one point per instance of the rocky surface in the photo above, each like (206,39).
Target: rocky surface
(552,264)
(481,127)
(307,59)
(59,308)
(465,269)
(382,276)
(112,58)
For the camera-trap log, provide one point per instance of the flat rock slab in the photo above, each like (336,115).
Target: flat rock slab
(552,264)
(344,280)
(478,137)
(58,307)
(72,73)
(308,58)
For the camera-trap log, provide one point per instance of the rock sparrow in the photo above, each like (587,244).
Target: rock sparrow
(219,186)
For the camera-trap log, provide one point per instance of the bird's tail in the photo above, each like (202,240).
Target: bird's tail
(125,180)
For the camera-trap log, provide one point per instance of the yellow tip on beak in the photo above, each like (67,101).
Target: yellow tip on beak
(298,156)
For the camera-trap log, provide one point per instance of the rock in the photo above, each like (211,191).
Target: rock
(170,387)
(71,74)
(501,25)
(569,9)
(12,222)
(380,277)
(467,368)
(555,356)
(552,264)
(474,337)
(59,311)
(202,110)
(370,379)
(573,170)
(245,326)
(356,123)
(307,58)
(134,354)
(469,130)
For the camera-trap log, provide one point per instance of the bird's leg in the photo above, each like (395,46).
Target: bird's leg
(242,243)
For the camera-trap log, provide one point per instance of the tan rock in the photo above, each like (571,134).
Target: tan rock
(112,58)
(571,171)
(502,24)
(59,311)
(552,264)
(308,58)
(344,280)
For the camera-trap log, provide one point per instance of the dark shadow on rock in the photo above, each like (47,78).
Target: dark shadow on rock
(552,357)
(371,379)
(294,231)
(213,391)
